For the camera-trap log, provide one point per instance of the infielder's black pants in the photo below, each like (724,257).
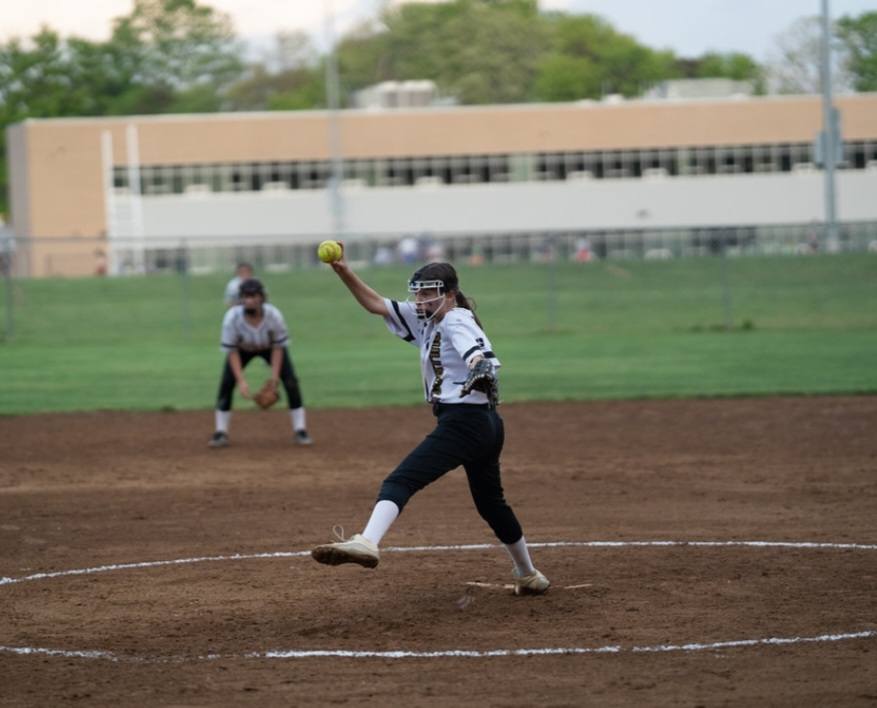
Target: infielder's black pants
(287,379)
(467,435)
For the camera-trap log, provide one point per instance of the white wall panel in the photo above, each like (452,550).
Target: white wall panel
(606,204)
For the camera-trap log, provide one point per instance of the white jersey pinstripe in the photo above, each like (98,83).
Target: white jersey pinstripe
(237,333)
(446,348)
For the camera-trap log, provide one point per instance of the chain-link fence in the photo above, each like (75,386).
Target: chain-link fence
(68,256)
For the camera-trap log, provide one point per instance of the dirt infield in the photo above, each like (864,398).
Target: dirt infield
(140,568)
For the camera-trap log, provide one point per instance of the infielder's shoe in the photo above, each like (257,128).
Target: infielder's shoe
(354,550)
(219,439)
(533,584)
(302,438)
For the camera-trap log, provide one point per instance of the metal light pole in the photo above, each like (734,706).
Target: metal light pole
(830,134)
(336,200)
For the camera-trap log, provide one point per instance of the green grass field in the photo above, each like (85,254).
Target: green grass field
(804,325)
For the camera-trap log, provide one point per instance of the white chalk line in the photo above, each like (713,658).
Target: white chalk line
(454,653)
(449,654)
(468,547)
(148,564)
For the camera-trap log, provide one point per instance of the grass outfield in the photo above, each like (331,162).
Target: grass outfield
(631,329)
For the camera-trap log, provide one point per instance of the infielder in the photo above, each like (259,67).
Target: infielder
(459,379)
(252,329)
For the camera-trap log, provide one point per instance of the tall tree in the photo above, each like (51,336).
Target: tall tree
(733,65)
(796,65)
(858,36)
(289,76)
(39,79)
(479,51)
(179,44)
(491,53)
(589,59)
(167,55)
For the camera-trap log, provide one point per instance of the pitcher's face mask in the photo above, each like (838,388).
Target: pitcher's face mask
(428,297)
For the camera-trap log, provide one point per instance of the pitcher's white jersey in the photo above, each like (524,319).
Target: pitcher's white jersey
(237,333)
(446,348)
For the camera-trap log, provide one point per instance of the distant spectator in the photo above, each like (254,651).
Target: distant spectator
(812,238)
(100,262)
(583,250)
(7,248)
(244,271)
(408,250)
(433,251)
(383,256)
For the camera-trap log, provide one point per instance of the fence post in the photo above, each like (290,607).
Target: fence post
(183,267)
(552,282)
(726,293)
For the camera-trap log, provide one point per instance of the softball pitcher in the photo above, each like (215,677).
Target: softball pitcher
(459,380)
(249,330)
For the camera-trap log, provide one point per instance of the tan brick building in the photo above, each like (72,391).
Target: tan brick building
(130,185)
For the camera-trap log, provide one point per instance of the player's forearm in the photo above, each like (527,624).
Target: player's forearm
(364,295)
(234,361)
(276,361)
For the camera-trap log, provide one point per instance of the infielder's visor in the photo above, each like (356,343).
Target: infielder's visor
(253,286)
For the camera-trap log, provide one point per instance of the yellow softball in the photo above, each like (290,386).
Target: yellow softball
(329,251)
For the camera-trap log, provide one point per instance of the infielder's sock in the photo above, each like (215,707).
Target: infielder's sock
(382,518)
(223,418)
(298,419)
(521,557)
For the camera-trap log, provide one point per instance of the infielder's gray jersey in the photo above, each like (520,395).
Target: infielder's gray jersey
(237,333)
(446,348)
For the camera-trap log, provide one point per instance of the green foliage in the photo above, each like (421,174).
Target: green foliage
(41,80)
(171,56)
(734,65)
(480,52)
(797,68)
(567,78)
(564,331)
(859,38)
(288,90)
(166,56)
(289,77)
(573,70)
(740,67)
(180,43)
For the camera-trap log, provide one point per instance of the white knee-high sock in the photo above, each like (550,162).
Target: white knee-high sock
(520,555)
(223,418)
(382,518)
(297,415)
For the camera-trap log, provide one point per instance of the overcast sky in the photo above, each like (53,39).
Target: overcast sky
(689,27)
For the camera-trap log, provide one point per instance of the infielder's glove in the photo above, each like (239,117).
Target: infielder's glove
(268,395)
(482,377)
